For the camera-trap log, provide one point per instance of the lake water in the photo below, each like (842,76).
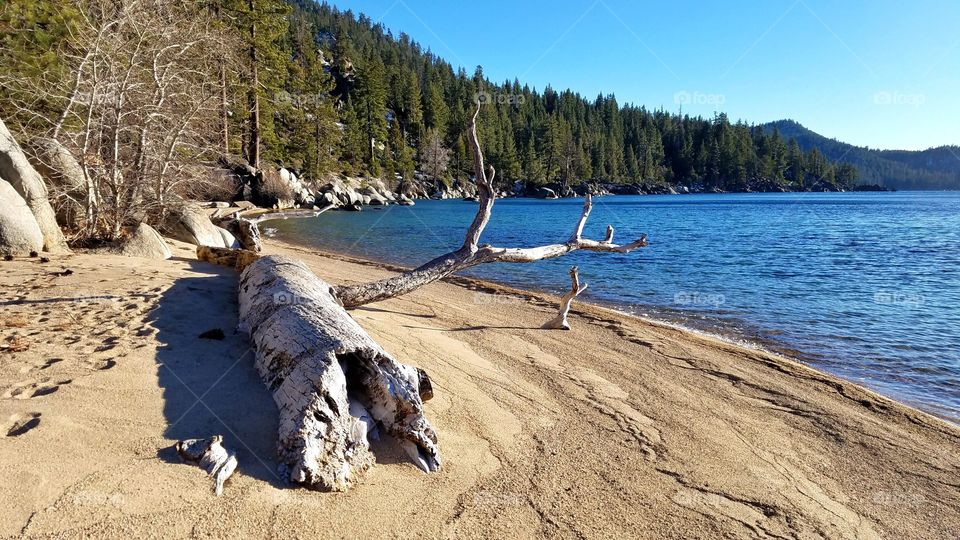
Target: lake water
(863,285)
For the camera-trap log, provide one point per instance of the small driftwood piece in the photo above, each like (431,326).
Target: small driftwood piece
(212,457)
(472,253)
(560,321)
(331,381)
(246,231)
(233,258)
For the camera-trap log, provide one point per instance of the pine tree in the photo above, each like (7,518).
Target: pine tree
(263,25)
(353,149)
(371,96)
(305,118)
(435,108)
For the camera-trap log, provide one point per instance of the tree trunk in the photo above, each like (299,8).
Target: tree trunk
(224,110)
(237,259)
(320,365)
(253,150)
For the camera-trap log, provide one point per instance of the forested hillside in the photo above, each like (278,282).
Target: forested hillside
(390,90)
(935,168)
(322,91)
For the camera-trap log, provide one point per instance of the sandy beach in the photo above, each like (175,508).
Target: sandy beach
(617,428)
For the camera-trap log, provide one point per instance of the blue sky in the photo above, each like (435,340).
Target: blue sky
(883,74)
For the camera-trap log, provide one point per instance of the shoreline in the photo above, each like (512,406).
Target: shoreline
(769,346)
(619,427)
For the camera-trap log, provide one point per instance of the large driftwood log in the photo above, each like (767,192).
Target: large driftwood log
(472,253)
(560,321)
(320,365)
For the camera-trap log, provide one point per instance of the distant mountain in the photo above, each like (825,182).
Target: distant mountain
(935,168)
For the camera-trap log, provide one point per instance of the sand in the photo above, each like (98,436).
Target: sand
(618,428)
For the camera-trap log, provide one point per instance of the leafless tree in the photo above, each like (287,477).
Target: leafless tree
(140,110)
(436,157)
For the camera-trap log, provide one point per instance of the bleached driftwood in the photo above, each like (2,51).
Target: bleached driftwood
(233,258)
(560,321)
(246,231)
(472,252)
(288,214)
(320,364)
(211,456)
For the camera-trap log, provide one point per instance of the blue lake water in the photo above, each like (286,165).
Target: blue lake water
(863,285)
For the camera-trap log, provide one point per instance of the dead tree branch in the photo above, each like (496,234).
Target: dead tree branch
(472,252)
(560,321)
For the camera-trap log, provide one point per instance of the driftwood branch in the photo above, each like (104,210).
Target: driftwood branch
(210,455)
(287,214)
(330,380)
(472,252)
(560,321)
(246,231)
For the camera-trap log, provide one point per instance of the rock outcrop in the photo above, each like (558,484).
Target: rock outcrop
(17,170)
(65,177)
(283,188)
(145,242)
(303,196)
(191,224)
(545,193)
(19,232)
(350,193)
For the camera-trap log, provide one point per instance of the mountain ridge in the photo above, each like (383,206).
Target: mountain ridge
(934,168)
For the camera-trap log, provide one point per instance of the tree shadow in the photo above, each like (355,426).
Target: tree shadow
(211,386)
(474,328)
(381,310)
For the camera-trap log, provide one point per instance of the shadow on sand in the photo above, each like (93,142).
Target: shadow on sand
(211,387)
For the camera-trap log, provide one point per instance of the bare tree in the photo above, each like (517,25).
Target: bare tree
(140,107)
(436,157)
(472,253)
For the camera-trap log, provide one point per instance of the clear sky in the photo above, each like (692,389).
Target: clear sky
(883,73)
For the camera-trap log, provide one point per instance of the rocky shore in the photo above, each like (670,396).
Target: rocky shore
(282,188)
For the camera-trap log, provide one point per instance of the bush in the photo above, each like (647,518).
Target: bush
(273,188)
(218,185)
